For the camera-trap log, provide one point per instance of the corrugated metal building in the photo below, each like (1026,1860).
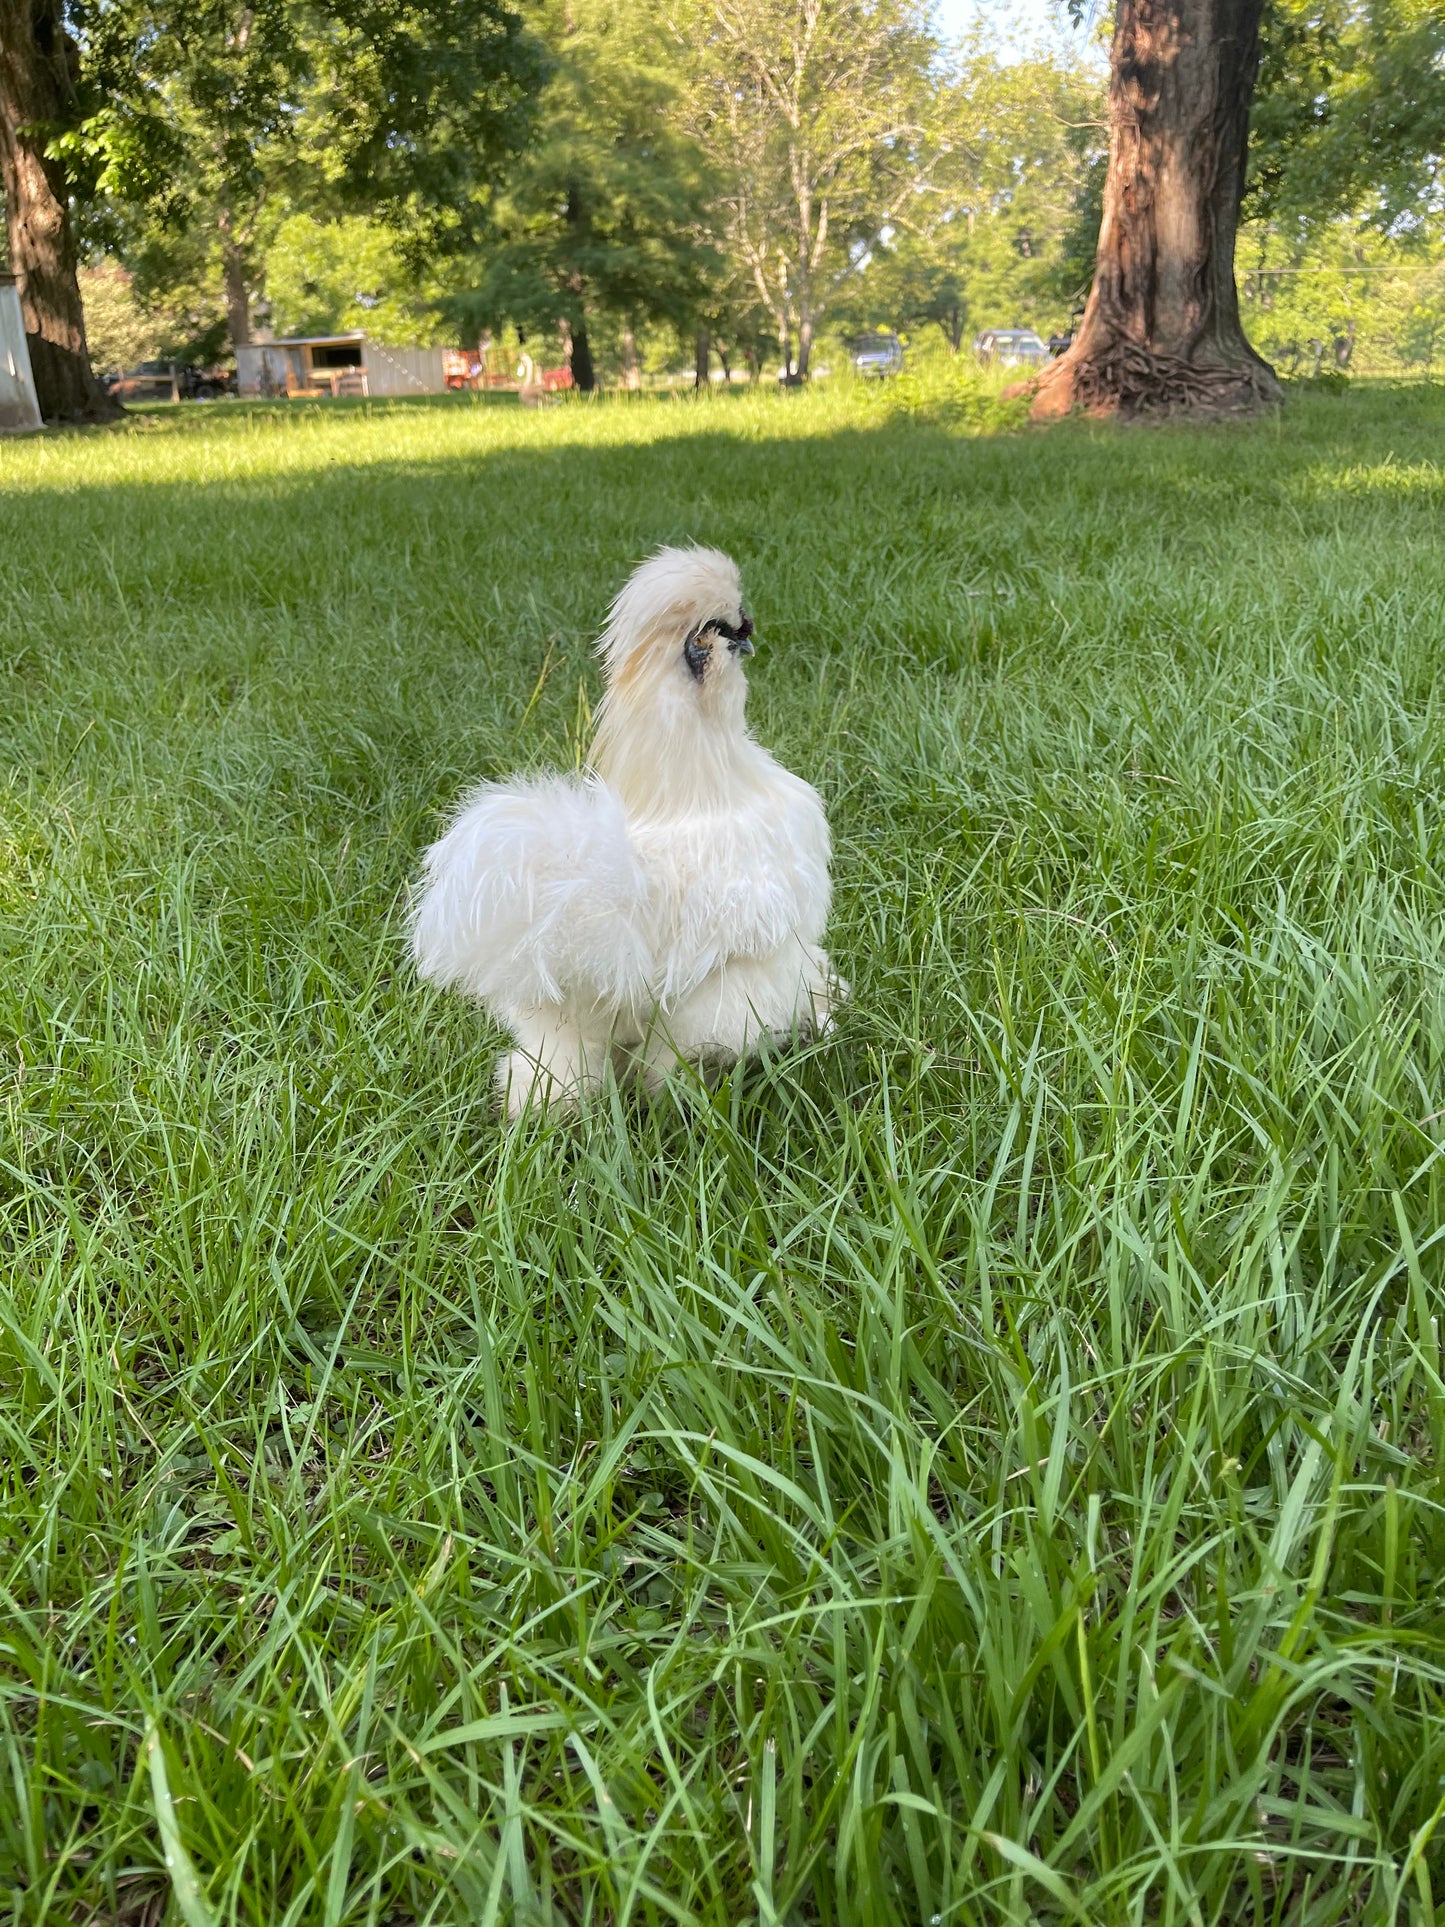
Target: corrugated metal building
(349,364)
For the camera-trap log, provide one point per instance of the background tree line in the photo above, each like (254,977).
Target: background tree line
(698,177)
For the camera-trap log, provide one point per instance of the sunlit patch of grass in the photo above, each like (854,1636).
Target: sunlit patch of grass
(985,1469)
(1390,477)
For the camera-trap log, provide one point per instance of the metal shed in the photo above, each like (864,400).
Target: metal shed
(340,364)
(19,405)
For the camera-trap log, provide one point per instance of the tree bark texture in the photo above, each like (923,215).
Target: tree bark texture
(702,361)
(584,375)
(238,292)
(575,344)
(805,346)
(35,100)
(1161,332)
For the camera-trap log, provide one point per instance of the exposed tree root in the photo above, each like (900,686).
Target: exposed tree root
(1124,378)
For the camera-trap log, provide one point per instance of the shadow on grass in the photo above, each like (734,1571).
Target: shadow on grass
(787,491)
(440,592)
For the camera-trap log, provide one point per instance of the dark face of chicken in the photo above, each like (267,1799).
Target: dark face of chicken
(737,638)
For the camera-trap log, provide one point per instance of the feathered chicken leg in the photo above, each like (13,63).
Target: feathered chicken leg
(555,1062)
(736,1007)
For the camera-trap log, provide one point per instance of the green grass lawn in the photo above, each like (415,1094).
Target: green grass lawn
(987,1468)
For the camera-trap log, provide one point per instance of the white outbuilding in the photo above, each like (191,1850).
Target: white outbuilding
(340,364)
(19,405)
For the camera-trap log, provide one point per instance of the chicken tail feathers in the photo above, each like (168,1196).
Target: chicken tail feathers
(534,896)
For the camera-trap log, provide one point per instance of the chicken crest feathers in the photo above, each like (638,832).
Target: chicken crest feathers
(670,589)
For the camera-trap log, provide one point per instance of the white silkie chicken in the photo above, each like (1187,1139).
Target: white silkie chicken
(668,904)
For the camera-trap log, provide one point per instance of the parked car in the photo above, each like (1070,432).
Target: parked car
(169,381)
(1010,347)
(875,357)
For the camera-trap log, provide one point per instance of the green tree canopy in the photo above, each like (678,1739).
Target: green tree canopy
(1349,115)
(348,273)
(606,214)
(206,112)
(820,121)
(992,241)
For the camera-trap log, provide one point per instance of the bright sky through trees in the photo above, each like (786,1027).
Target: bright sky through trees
(1014,26)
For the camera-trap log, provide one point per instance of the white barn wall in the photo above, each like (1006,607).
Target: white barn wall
(248,370)
(261,367)
(402,371)
(19,406)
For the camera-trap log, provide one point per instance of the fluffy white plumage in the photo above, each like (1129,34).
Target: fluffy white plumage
(668,904)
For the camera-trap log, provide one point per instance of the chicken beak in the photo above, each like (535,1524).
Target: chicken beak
(742,647)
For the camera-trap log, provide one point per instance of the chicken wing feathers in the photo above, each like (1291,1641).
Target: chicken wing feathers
(535,895)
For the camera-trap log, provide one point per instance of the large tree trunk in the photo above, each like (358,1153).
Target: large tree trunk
(584,375)
(238,293)
(1161,331)
(805,345)
(578,349)
(702,361)
(631,373)
(36,100)
(785,348)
